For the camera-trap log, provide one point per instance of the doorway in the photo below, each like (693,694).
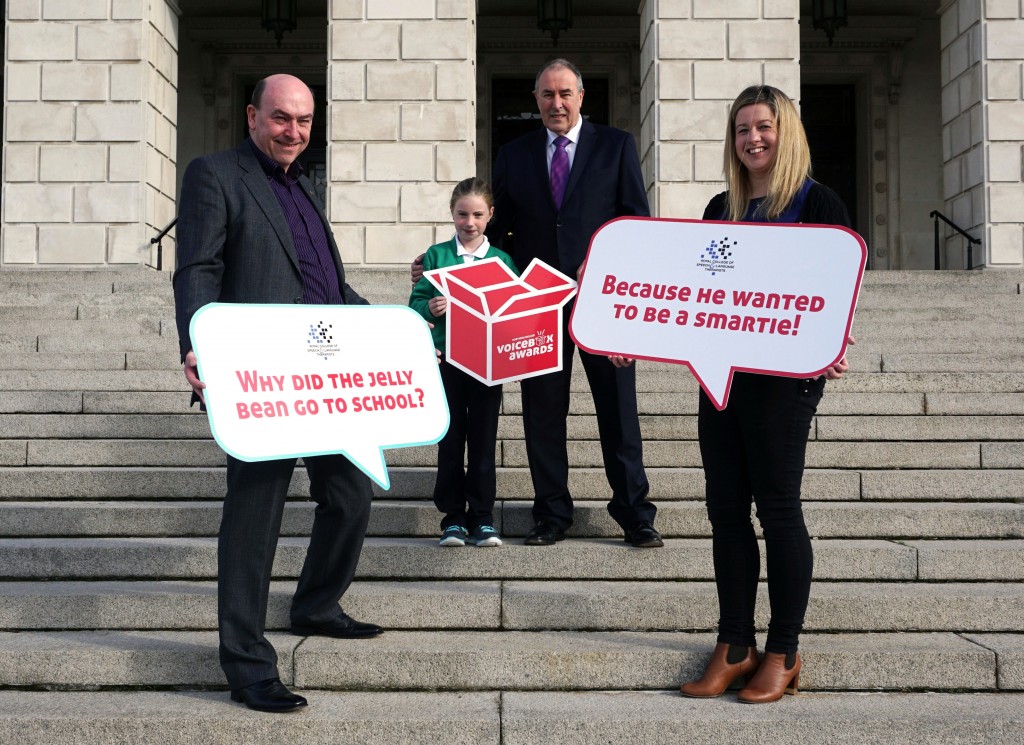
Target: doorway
(829,114)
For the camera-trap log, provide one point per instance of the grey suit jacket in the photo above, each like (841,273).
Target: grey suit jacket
(234,244)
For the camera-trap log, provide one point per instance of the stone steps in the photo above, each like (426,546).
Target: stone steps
(675,382)
(866,353)
(167,357)
(46,308)
(94,380)
(510,718)
(604,558)
(975,485)
(506,660)
(686,454)
(391,517)
(843,719)
(649,403)
(125,326)
(655,427)
(581,605)
(202,718)
(110,492)
(512,453)
(42,304)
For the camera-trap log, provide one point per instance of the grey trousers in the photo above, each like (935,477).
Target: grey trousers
(249,530)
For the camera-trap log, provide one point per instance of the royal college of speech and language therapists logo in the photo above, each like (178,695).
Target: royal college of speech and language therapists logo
(716,258)
(320,340)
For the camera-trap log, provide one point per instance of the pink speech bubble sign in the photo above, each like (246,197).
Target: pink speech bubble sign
(720,297)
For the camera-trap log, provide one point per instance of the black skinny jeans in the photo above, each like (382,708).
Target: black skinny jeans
(754,451)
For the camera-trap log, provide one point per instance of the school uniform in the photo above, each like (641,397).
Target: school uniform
(465,496)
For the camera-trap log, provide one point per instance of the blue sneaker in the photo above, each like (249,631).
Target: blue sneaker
(453,535)
(484,535)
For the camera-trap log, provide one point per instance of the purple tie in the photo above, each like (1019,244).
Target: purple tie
(559,170)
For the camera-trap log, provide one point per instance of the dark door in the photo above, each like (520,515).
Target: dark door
(829,116)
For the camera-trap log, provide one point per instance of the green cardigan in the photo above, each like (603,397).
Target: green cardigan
(439,256)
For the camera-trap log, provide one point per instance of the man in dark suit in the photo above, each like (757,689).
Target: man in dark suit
(553,189)
(251,230)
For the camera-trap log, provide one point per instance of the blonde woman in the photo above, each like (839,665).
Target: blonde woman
(753,450)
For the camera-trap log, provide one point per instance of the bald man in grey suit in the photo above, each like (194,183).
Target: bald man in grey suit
(251,230)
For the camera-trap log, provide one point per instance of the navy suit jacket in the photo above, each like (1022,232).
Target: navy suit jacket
(605,182)
(233,241)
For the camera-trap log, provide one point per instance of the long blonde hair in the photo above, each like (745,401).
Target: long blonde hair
(792,164)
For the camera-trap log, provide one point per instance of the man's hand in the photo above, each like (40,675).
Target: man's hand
(620,361)
(192,375)
(416,268)
(437,305)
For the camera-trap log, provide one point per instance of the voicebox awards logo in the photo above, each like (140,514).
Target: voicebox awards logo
(528,345)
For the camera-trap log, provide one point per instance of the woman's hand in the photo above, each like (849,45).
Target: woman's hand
(838,369)
(437,305)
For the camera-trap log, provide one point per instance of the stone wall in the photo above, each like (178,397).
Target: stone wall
(91,103)
(402,95)
(78,76)
(963,120)
(983,127)
(696,56)
(160,93)
(1004,111)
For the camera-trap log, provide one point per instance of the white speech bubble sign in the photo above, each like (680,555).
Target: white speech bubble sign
(720,297)
(287,381)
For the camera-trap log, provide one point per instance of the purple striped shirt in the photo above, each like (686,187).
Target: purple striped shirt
(316,263)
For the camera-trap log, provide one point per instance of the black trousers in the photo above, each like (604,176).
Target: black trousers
(249,529)
(466,495)
(545,411)
(754,451)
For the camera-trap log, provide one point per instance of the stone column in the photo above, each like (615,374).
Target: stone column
(89,141)
(696,56)
(962,125)
(983,128)
(402,93)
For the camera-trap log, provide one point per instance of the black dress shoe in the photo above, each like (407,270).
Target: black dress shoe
(544,534)
(342,627)
(268,695)
(643,535)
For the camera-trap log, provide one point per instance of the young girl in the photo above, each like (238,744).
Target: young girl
(465,497)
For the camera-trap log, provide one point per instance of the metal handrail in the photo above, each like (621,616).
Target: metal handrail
(971,240)
(159,245)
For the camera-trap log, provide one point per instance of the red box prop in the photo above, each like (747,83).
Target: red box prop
(502,327)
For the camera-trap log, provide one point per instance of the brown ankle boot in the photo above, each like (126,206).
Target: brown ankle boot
(778,674)
(728,664)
